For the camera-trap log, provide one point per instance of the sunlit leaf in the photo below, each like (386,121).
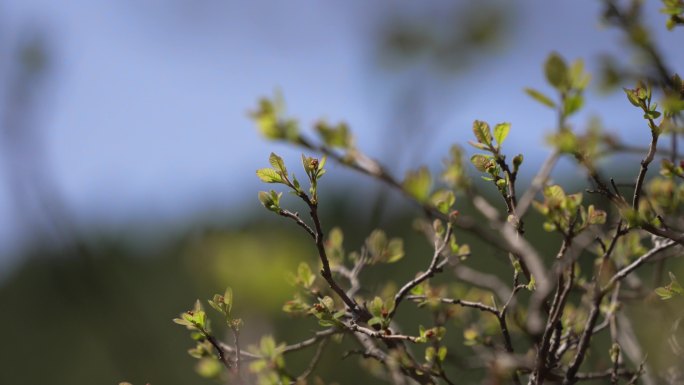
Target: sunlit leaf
(269,175)
(481,162)
(556,71)
(540,97)
(501,131)
(482,132)
(418,184)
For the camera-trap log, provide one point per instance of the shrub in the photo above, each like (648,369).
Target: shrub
(543,323)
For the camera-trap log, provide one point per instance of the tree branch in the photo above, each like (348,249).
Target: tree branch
(440,245)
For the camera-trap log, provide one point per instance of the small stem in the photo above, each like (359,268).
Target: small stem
(295,217)
(440,245)
(236,342)
(362,314)
(452,301)
(314,361)
(644,166)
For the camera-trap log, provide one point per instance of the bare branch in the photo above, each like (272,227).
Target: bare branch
(537,184)
(380,335)
(314,361)
(644,165)
(483,280)
(624,272)
(295,217)
(440,245)
(237,359)
(452,301)
(323,334)
(358,312)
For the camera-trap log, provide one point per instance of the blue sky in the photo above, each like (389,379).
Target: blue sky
(143,114)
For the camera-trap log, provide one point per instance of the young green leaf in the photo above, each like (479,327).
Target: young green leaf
(228,300)
(305,276)
(269,120)
(418,184)
(266,119)
(443,200)
(595,217)
(270,200)
(375,306)
(430,353)
(481,162)
(334,136)
(269,175)
(578,78)
(632,97)
(395,250)
(442,353)
(383,250)
(556,71)
(540,97)
(501,132)
(482,132)
(572,104)
(278,164)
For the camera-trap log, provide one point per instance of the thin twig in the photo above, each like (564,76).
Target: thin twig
(220,351)
(295,217)
(237,359)
(644,165)
(287,349)
(537,184)
(452,301)
(360,313)
(314,361)
(603,375)
(380,334)
(374,169)
(624,272)
(483,280)
(593,315)
(440,245)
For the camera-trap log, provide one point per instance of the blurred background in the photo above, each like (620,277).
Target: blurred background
(127,158)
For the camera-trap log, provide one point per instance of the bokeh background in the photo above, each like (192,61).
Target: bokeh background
(127,158)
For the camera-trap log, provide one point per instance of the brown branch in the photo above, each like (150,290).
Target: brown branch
(510,243)
(353,274)
(628,24)
(314,361)
(483,280)
(590,324)
(583,346)
(537,184)
(311,341)
(452,301)
(287,349)
(503,325)
(440,245)
(625,271)
(220,351)
(510,197)
(521,249)
(555,314)
(359,313)
(570,376)
(353,327)
(295,217)
(628,149)
(664,233)
(237,359)
(374,169)
(644,165)
(603,375)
